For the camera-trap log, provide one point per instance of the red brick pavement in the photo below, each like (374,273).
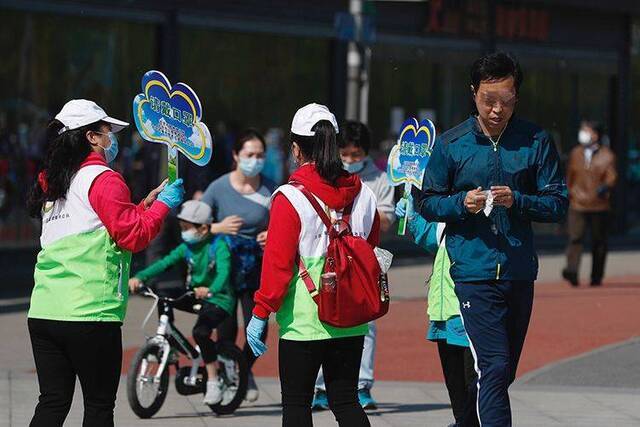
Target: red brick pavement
(566,322)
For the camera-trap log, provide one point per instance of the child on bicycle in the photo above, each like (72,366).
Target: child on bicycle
(209,276)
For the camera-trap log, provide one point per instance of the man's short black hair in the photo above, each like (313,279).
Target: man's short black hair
(496,66)
(355,133)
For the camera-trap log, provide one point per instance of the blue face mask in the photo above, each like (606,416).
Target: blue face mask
(354,167)
(250,166)
(191,236)
(111,151)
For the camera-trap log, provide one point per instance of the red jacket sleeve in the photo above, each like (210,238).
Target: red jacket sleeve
(130,226)
(278,263)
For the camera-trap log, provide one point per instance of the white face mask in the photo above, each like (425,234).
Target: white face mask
(192,236)
(584,137)
(250,166)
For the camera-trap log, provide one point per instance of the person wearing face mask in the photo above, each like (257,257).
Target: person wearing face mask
(591,175)
(488,179)
(90,227)
(354,152)
(209,276)
(298,236)
(240,203)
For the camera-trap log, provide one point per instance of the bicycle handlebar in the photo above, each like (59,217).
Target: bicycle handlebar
(148,292)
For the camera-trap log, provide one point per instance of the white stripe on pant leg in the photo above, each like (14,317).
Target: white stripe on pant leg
(476,367)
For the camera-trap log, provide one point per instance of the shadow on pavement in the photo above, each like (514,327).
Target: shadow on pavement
(405,408)
(243,411)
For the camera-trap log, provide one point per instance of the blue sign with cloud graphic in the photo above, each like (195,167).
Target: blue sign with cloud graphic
(172,115)
(409,157)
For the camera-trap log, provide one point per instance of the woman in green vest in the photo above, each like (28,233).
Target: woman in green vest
(445,322)
(90,227)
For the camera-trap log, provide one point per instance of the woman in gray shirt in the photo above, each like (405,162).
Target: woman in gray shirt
(240,203)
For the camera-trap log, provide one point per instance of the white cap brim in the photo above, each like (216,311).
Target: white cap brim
(116,125)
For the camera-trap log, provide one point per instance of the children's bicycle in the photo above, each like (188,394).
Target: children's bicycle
(148,377)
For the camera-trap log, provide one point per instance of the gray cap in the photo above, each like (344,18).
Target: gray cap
(196,212)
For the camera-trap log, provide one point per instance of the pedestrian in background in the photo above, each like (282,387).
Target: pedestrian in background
(591,176)
(445,324)
(240,202)
(354,145)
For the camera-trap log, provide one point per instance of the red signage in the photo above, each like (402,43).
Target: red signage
(471,18)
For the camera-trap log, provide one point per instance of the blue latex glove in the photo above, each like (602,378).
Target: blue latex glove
(172,194)
(401,206)
(255,329)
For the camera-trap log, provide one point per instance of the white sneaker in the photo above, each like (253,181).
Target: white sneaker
(214,393)
(252,390)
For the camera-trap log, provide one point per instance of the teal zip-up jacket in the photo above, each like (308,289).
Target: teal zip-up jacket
(498,247)
(217,279)
(442,299)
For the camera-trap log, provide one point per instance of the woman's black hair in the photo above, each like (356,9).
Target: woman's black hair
(496,66)
(65,153)
(322,149)
(355,133)
(247,135)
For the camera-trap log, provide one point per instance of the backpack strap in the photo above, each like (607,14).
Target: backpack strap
(306,278)
(346,212)
(314,203)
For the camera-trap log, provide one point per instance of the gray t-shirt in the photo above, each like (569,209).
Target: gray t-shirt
(252,208)
(377,181)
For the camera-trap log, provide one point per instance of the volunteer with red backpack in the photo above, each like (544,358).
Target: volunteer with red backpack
(299,241)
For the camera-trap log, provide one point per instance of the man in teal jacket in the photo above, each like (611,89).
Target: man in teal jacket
(488,179)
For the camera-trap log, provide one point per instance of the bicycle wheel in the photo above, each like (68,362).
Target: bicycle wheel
(146,394)
(233,370)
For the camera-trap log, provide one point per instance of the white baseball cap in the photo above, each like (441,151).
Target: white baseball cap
(307,117)
(196,212)
(81,112)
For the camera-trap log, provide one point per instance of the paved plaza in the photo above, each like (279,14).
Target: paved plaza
(581,362)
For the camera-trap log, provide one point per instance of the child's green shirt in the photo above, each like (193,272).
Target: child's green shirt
(217,279)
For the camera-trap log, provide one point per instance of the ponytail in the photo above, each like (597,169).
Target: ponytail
(65,153)
(322,149)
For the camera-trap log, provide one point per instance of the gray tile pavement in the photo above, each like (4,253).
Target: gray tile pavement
(402,404)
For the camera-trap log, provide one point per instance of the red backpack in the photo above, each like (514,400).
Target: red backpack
(353,288)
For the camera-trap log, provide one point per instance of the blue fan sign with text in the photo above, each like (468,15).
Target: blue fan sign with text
(172,115)
(409,157)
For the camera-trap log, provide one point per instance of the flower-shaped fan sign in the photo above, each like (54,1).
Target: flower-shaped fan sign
(408,159)
(172,115)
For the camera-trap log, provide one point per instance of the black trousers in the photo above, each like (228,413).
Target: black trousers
(597,222)
(210,317)
(459,376)
(228,330)
(299,363)
(91,351)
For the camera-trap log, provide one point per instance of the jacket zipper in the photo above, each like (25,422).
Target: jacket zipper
(498,272)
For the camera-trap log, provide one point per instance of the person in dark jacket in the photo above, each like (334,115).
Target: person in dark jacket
(488,179)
